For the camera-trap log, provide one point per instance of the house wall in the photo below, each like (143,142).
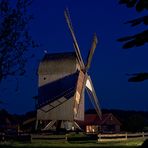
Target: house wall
(117,128)
(92,128)
(110,128)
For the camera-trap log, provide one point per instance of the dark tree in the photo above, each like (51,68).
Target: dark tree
(135,123)
(138,39)
(1,102)
(15,39)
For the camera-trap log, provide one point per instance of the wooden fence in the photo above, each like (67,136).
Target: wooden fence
(101,137)
(124,136)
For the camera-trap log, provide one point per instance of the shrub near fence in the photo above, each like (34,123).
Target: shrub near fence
(2,137)
(118,137)
(15,137)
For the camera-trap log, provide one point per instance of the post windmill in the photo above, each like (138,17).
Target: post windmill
(63,79)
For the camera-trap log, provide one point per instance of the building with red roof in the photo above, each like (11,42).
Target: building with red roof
(107,124)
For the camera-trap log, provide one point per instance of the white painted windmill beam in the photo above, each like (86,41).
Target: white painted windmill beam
(92,95)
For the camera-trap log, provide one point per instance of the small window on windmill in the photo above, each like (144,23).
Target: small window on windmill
(44,78)
(111,118)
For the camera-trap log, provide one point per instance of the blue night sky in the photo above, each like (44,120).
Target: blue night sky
(110,62)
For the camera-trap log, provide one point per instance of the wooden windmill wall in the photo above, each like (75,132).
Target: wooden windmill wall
(60,68)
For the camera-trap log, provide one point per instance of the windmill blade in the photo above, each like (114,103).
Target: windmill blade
(92,95)
(78,53)
(91,51)
(79,92)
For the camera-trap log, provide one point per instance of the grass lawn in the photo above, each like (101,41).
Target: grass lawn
(75,144)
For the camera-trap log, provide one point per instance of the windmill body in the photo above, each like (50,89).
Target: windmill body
(63,78)
(58,75)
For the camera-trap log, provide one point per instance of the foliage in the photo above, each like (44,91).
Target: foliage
(138,39)
(15,39)
(137,77)
(140,5)
(135,123)
(1,102)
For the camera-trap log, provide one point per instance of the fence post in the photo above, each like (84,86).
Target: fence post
(99,136)
(31,138)
(126,135)
(142,134)
(66,138)
(3,137)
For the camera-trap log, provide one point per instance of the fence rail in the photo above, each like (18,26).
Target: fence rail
(118,137)
(101,137)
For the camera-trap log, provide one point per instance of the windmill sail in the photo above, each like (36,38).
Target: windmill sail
(91,92)
(79,94)
(80,60)
(91,52)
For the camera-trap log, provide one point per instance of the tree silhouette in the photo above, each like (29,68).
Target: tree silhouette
(15,39)
(135,123)
(138,39)
(1,102)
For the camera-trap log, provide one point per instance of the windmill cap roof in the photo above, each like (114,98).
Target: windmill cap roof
(57,63)
(58,56)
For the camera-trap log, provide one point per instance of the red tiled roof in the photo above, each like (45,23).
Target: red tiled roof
(93,119)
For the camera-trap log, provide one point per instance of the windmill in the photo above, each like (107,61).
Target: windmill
(63,79)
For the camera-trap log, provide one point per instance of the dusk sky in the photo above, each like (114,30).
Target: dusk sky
(110,62)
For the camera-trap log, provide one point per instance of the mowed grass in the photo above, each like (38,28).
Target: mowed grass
(80,144)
